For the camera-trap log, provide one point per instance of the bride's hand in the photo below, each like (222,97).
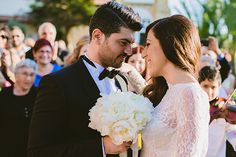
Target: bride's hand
(134,77)
(111,148)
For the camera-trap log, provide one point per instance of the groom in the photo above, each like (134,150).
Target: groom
(59,126)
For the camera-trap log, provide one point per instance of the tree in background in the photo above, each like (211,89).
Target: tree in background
(64,14)
(208,17)
(229,16)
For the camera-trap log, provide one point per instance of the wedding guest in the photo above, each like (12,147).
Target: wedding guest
(7,67)
(8,59)
(80,49)
(219,129)
(29,42)
(59,125)
(42,52)
(136,60)
(2,78)
(16,108)
(179,127)
(62,50)
(19,47)
(5,37)
(207,58)
(212,47)
(48,31)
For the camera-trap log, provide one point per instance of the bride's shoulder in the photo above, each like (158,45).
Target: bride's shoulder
(190,89)
(189,86)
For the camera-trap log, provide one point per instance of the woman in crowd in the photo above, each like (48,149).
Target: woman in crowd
(80,49)
(16,108)
(8,59)
(134,70)
(136,59)
(43,53)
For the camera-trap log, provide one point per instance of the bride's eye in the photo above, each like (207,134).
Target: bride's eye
(147,44)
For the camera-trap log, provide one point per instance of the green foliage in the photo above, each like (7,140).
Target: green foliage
(62,13)
(229,16)
(12,23)
(216,18)
(212,21)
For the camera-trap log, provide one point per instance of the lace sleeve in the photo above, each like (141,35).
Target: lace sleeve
(192,124)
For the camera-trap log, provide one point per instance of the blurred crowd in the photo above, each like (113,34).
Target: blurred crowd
(24,61)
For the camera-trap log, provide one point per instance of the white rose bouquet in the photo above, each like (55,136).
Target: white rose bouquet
(121,115)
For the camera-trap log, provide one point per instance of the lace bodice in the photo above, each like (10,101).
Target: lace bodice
(179,127)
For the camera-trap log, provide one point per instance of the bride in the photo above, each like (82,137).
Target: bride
(179,127)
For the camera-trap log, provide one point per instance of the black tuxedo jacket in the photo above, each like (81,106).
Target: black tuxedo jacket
(59,125)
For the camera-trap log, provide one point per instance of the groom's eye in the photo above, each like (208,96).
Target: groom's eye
(123,43)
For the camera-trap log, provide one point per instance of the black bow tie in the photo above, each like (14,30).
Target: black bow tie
(105,73)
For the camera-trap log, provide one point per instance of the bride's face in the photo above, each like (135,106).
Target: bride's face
(155,57)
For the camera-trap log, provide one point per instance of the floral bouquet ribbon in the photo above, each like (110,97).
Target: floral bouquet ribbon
(122,116)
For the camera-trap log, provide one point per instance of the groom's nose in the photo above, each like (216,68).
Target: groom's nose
(128,50)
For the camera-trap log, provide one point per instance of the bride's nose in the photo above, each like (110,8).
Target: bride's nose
(144,53)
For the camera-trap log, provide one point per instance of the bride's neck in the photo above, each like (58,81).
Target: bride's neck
(176,75)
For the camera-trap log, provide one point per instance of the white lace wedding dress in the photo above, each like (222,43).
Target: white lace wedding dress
(179,127)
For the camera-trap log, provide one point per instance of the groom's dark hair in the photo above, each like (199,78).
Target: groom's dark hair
(110,16)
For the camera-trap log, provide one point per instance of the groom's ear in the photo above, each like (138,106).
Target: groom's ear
(98,36)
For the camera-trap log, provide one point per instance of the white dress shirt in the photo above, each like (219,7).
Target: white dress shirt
(105,86)
(219,131)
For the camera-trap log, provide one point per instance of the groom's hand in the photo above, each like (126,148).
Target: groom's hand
(111,148)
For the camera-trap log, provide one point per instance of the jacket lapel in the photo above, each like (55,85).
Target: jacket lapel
(87,81)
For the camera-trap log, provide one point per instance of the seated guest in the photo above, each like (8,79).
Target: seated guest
(16,108)
(43,53)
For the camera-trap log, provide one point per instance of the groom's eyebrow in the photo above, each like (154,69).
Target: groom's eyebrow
(127,41)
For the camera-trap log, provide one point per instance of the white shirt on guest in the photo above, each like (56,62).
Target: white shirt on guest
(219,131)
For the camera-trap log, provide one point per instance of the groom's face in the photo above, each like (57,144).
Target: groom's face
(116,47)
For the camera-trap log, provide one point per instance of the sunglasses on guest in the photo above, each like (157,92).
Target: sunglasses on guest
(4,37)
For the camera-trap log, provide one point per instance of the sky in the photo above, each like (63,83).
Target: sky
(19,7)
(193,5)
(14,7)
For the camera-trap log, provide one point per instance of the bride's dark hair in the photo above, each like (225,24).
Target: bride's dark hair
(181,45)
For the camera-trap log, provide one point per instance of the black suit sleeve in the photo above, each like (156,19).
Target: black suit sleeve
(224,68)
(49,134)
